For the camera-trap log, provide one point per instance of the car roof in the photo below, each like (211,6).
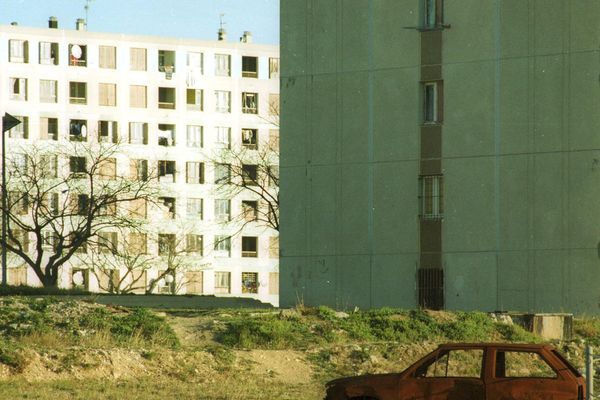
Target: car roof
(515,346)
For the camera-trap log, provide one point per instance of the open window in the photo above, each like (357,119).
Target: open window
(48,128)
(18,89)
(18,51)
(522,364)
(78,55)
(194,172)
(459,363)
(78,92)
(166,98)
(250,210)
(78,130)
(48,53)
(249,103)
(250,282)
(168,206)
(166,61)
(20,131)
(107,132)
(194,244)
(138,133)
(166,171)
(194,99)
(166,135)
(167,243)
(249,67)
(250,246)
(250,138)
(250,174)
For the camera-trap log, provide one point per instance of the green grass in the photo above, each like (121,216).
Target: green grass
(23,290)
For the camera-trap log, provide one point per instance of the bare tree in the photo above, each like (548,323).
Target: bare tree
(252,169)
(63,195)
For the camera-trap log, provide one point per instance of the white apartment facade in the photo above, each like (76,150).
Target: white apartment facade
(172,102)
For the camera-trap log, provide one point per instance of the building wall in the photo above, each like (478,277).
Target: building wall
(519,153)
(209,119)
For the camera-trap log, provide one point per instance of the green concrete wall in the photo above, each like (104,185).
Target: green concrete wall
(520,145)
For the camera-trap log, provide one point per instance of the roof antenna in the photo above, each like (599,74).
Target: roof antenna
(222,35)
(87,9)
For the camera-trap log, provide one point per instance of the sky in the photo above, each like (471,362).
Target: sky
(196,19)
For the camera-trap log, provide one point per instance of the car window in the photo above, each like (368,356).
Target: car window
(456,363)
(522,364)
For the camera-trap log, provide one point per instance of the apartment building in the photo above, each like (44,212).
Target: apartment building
(172,104)
(441,154)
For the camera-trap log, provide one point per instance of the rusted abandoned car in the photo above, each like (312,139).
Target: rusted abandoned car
(493,371)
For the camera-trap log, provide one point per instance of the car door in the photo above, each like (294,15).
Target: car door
(454,374)
(526,375)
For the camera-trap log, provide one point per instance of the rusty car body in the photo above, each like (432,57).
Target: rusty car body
(490,371)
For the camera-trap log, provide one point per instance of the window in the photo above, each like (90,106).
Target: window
(77,130)
(273,283)
(433,13)
(454,363)
(274,104)
(250,210)
(193,282)
(222,209)
(138,208)
(107,94)
(78,55)
(522,364)
(194,136)
(250,139)
(166,171)
(18,89)
(77,92)
(167,243)
(48,53)
(166,98)
(77,165)
(48,128)
(194,208)
(249,246)
(108,57)
(18,202)
(273,172)
(250,282)
(166,135)
(222,245)
(49,240)
(166,61)
(80,277)
(49,165)
(107,169)
(80,203)
(18,51)
(222,173)
(107,132)
(167,204)
(274,139)
(48,91)
(222,65)
(194,172)
(17,276)
(138,133)
(273,68)
(222,282)
(138,243)
(223,101)
(137,96)
(223,136)
(20,131)
(273,246)
(249,67)
(50,203)
(108,242)
(250,103)
(430,103)
(194,244)
(194,99)
(432,206)
(139,169)
(137,59)
(250,174)
(195,61)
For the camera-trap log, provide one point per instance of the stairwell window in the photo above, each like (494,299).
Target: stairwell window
(431,196)
(433,16)
(430,109)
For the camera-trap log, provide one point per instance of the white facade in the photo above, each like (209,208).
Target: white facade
(195,67)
